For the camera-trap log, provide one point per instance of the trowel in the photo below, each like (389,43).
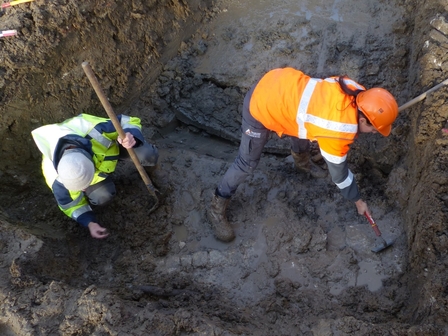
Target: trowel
(384,243)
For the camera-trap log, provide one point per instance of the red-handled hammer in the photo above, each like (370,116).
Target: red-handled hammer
(385,244)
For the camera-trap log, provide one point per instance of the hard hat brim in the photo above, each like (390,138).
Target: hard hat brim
(385,130)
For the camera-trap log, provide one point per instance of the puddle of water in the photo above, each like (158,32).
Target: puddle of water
(180,233)
(212,243)
(368,275)
(348,281)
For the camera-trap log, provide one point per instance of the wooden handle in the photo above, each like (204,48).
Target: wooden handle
(110,112)
(373,224)
(422,96)
(13,3)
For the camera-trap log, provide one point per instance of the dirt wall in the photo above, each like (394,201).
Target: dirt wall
(422,194)
(126,44)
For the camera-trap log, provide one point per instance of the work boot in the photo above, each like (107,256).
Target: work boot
(217,217)
(304,164)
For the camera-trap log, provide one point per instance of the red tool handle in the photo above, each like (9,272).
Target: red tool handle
(373,224)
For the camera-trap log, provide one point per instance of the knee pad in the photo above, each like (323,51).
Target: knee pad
(101,193)
(147,154)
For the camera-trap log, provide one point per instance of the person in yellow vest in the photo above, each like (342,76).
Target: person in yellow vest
(79,154)
(331,111)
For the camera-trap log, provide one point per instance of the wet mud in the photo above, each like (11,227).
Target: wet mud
(302,261)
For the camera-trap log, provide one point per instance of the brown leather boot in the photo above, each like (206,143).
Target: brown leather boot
(304,164)
(217,217)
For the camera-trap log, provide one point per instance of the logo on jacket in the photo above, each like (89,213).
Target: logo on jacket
(252,134)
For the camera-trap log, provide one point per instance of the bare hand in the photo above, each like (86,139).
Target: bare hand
(128,141)
(97,231)
(362,207)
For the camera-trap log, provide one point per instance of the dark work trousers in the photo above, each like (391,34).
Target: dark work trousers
(254,137)
(103,192)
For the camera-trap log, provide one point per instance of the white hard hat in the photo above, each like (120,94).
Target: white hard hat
(75,170)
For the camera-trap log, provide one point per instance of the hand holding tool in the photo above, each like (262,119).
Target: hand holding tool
(96,86)
(384,244)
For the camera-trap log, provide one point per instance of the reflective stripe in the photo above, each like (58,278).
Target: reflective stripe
(126,122)
(94,134)
(302,109)
(347,182)
(347,81)
(47,137)
(352,82)
(332,125)
(72,203)
(80,211)
(333,158)
(303,116)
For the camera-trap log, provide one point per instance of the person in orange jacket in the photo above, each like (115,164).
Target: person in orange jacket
(331,111)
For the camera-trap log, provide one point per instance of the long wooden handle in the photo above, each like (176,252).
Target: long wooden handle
(14,3)
(422,96)
(373,224)
(110,112)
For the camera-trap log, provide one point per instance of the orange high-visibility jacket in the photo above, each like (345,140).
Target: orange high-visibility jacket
(289,102)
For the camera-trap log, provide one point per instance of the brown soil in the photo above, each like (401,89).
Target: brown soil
(301,263)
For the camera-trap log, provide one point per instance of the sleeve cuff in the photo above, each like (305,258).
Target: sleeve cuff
(86,218)
(138,136)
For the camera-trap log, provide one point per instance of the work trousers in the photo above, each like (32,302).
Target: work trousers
(254,137)
(103,192)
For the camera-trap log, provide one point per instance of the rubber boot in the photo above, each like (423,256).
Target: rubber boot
(304,164)
(217,217)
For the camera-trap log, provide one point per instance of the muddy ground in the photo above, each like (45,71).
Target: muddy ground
(301,263)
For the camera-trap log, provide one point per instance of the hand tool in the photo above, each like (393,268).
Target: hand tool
(384,244)
(96,86)
(422,96)
(5,33)
(13,3)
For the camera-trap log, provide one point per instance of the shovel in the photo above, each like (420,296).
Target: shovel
(422,96)
(14,3)
(384,244)
(96,86)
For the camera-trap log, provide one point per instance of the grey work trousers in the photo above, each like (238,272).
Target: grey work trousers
(254,137)
(103,192)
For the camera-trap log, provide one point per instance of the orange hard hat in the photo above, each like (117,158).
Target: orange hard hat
(380,107)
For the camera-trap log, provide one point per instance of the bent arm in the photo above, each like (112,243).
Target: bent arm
(334,152)
(344,180)
(74,204)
